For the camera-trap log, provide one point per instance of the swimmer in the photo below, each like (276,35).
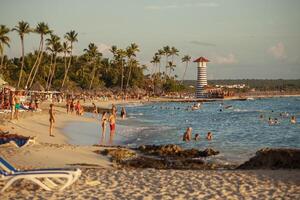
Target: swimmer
(261,116)
(209,136)
(197,137)
(293,119)
(187,135)
(271,121)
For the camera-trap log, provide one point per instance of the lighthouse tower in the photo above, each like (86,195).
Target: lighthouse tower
(201,77)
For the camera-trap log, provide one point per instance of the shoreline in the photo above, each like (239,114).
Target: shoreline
(105,178)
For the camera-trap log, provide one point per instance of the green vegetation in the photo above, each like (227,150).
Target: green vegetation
(55,67)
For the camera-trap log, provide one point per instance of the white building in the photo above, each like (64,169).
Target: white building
(201,77)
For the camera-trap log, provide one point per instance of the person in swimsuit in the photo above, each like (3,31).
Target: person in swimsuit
(293,119)
(197,137)
(12,104)
(95,110)
(112,125)
(209,136)
(103,126)
(51,119)
(17,106)
(123,113)
(187,135)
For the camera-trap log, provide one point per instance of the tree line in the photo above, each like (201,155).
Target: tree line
(55,67)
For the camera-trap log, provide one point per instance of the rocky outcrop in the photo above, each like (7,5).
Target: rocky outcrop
(172,150)
(118,154)
(269,158)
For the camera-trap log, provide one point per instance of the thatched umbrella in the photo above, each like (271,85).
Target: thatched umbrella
(37,87)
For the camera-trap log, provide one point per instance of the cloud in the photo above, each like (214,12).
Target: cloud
(103,48)
(202,43)
(187,5)
(278,51)
(229,59)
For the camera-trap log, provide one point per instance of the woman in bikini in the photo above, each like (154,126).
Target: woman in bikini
(103,126)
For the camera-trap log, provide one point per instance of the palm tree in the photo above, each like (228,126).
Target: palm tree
(66,49)
(94,58)
(160,53)
(173,52)
(4,40)
(42,29)
(96,66)
(71,37)
(120,55)
(167,52)
(54,46)
(171,66)
(22,28)
(131,52)
(185,59)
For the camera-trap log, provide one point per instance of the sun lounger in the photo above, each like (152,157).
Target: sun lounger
(10,169)
(43,179)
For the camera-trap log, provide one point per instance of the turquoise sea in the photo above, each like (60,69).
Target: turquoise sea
(238,131)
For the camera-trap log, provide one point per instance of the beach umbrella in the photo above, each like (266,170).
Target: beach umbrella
(37,87)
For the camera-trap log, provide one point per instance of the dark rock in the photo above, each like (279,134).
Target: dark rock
(269,158)
(118,154)
(172,150)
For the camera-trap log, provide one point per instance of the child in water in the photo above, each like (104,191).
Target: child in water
(293,120)
(209,136)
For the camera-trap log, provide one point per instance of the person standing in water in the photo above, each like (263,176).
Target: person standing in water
(103,126)
(123,113)
(112,125)
(51,119)
(187,136)
(209,136)
(293,120)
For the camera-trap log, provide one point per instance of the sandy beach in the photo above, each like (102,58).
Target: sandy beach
(101,179)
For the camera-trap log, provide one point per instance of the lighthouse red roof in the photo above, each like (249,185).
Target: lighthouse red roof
(201,59)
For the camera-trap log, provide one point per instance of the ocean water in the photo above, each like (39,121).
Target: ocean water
(238,132)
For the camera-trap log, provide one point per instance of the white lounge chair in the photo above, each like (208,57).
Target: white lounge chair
(38,179)
(10,169)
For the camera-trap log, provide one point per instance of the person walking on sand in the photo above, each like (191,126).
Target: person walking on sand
(95,110)
(18,105)
(12,104)
(112,125)
(51,119)
(103,126)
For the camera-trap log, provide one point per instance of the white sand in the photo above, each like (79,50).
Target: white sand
(170,184)
(105,182)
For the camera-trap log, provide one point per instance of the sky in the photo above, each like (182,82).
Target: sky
(242,38)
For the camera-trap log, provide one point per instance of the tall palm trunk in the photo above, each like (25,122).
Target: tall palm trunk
(53,72)
(122,75)
(49,73)
(35,63)
(2,60)
(93,76)
(186,65)
(129,74)
(38,64)
(69,64)
(23,60)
